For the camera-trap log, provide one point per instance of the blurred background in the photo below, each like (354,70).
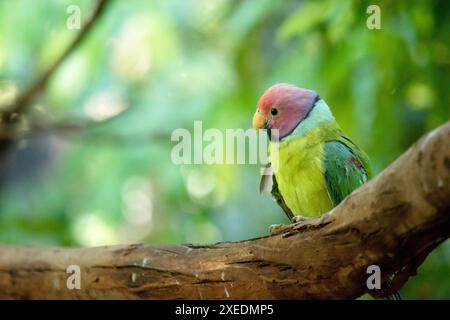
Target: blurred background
(90,161)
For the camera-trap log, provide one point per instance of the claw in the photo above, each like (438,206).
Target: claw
(298,219)
(277,228)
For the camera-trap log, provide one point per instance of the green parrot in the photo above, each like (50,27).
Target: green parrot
(317,166)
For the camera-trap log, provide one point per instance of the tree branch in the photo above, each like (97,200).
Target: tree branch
(24,99)
(393,221)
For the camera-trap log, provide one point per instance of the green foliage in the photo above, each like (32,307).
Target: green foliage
(168,63)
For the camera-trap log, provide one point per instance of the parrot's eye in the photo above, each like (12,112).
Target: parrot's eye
(274,111)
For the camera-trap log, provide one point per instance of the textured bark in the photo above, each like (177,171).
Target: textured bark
(393,221)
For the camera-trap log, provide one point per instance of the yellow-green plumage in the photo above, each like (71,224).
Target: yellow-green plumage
(303,189)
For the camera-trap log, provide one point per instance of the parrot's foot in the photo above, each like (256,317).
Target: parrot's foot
(298,219)
(278,228)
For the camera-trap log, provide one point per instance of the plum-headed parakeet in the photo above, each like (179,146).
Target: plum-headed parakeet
(318,166)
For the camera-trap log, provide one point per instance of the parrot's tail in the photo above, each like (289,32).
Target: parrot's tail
(392,296)
(395,296)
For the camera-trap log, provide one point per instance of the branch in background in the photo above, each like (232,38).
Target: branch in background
(23,101)
(394,221)
(86,132)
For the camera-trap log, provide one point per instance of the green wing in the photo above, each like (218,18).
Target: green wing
(346,168)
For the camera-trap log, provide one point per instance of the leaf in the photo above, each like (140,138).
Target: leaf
(308,16)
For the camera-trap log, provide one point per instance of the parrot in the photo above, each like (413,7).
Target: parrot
(317,164)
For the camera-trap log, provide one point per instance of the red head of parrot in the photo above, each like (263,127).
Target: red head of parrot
(283,106)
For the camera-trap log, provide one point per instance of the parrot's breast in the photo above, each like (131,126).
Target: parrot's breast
(300,174)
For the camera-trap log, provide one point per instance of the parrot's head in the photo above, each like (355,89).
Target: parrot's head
(283,106)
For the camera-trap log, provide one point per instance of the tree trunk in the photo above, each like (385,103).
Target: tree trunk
(393,222)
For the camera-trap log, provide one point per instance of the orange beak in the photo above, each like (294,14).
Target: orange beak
(259,121)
